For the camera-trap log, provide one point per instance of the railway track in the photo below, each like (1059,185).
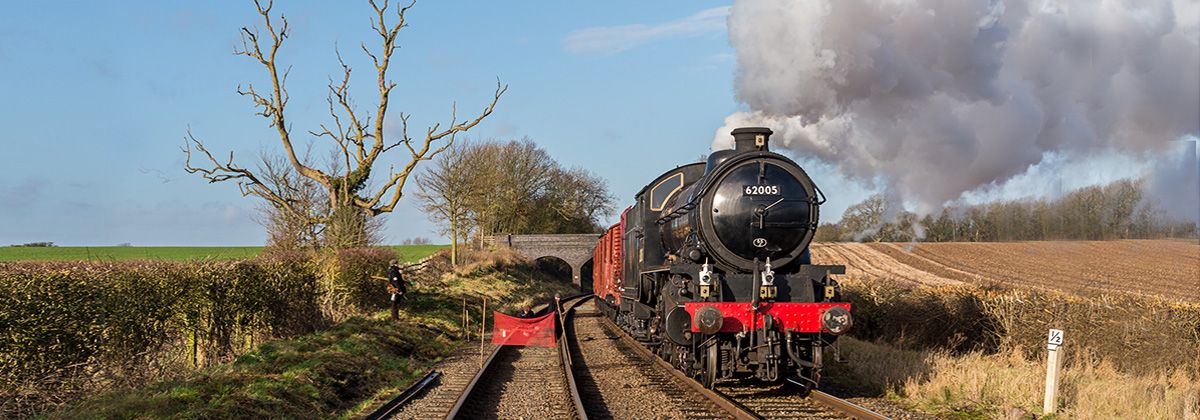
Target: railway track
(524,382)
(774,401)
(509,386)
(598,372)
(747,400)
(616,381)
(388,409)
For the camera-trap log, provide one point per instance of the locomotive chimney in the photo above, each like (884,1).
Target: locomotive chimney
(750,139)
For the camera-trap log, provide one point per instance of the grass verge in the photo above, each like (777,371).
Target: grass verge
(315,376)
(337,372)
(976,385)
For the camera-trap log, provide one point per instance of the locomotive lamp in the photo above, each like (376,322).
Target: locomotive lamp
(705,280)
(709,319)
(836,320)
(767,291)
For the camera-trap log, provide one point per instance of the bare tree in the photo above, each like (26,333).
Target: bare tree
(865,221)
(359,137)
(515,187)
(516,174)
(573,201)
(448,189)
(284,230)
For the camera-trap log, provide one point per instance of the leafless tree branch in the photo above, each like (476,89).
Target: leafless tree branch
(360,138)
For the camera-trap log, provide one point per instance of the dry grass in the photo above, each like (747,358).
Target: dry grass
(978,385)
(965,325)
(980,351)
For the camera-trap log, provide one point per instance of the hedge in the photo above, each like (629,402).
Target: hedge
(71,325)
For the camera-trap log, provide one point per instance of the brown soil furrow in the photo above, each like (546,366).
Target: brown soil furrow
(904,253)
(1166,268)
(861,261)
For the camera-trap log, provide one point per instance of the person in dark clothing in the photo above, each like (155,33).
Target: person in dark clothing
(555,307)
(396,286)
(526,312)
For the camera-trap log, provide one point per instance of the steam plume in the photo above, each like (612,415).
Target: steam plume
(937,98)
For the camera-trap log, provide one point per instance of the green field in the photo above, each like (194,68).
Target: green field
(414,253)
(408,253)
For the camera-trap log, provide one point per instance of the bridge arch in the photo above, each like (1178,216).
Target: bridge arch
(575,249)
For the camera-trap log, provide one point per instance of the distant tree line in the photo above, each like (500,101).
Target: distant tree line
(420,240)
(1119,210)
(486,187)
(35,245)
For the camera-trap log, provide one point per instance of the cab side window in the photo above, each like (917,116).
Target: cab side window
(664,190)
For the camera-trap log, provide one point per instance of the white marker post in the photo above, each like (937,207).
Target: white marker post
(1053,365)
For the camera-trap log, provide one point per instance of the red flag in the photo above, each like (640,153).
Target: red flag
(515,331)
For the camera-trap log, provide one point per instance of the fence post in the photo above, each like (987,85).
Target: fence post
(482,331)
(1054,344)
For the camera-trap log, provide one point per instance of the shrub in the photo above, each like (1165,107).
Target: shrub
(349,275)
(69,325)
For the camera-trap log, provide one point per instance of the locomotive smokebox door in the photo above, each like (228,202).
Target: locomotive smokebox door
(763,211)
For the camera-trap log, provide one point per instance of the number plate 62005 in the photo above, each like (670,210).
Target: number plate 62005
(760,190)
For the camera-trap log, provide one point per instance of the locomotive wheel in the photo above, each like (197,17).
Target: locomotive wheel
(711,359)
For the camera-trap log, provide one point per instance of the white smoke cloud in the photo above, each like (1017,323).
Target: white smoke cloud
(1176,180)
(940,98)
(614,39)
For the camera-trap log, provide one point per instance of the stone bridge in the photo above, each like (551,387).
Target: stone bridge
(576,250)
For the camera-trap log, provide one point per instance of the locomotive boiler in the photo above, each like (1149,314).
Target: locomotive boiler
(710,267)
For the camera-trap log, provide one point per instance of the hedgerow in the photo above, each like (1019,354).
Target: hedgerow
(348,369)
(1137,334)
(69,327)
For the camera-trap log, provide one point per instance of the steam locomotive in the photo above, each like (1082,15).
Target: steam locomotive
(710,268)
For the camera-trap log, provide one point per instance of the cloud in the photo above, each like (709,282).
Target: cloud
(938,99)
(614,39)
(22,196)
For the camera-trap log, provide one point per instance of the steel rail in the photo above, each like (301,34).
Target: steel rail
(735,410)
(565,352)
(466,395)
(387,409)
(846,407)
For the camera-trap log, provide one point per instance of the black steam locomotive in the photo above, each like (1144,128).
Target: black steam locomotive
(711,268)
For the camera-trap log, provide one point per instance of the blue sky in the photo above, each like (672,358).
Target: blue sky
(98,97)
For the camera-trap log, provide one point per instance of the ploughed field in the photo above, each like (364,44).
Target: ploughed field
(1165,268)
